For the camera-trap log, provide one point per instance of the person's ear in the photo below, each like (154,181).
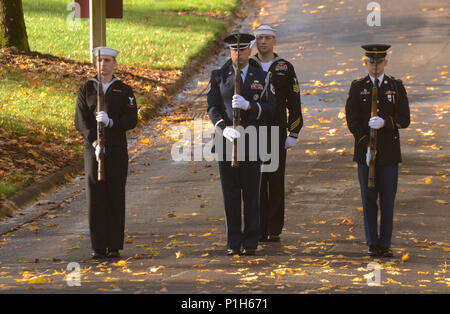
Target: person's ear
(385,62)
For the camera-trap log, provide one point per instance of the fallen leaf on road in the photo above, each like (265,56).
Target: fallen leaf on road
(405,257)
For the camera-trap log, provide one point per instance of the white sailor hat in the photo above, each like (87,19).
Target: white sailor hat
(264,30)
(105,51)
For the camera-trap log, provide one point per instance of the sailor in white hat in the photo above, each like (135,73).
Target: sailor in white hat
(106,199)
(287,95)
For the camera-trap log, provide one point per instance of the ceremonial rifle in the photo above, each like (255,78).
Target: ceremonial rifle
(100,126)
(236,111)
(373,132)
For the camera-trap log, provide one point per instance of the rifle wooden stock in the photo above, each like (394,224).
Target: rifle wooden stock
(100,126)
(373,134)
(236,112)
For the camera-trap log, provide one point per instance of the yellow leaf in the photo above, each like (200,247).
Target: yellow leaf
(33,227)
(441,202)
(311,152)
(405,257)
(179,254)
(145,140)
(205,255)
(120,263)
(37,280)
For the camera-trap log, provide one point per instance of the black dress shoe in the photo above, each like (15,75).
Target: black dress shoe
(248,252)
(113,253)
(232,252)
(386,252)
(373,251)
(273,238)
(263,238)
(98,254)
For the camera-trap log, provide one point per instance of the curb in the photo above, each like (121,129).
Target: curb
(31,193)
(28,195)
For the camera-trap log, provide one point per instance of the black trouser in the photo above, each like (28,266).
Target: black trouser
(241,183)
(106,199)
(272,197)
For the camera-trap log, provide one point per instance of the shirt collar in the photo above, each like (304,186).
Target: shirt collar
(244,71)
(380,79)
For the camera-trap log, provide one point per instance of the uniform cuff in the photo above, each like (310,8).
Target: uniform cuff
(221,124)
(255,110)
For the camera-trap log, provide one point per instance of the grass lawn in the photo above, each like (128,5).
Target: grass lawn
(37,104)
(151,33)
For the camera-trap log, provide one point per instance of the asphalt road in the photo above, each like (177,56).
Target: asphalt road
(175,233)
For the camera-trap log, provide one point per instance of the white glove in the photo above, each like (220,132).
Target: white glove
(368,157)
(290,142)
(231,134)
(376,122)
(239,102)
(103,118)
(97,152)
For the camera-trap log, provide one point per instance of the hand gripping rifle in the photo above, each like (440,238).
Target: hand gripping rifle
(373,132)
(100,126)
(236,111)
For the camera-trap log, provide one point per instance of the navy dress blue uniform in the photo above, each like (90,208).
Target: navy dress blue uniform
(106,199)
(240,182)
(393,107)
(272,183)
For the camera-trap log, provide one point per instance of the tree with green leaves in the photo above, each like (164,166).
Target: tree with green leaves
(13,32)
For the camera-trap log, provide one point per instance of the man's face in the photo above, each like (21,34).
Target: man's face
(107,65)
(244,54)
(380,67)
(265,43)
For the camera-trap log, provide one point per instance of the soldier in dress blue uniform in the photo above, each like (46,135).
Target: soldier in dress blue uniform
(256,103)
(393,114)
(287,97)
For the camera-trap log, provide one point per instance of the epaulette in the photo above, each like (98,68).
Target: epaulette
(358,80)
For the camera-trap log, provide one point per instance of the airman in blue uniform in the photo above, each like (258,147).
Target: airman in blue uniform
(256,104)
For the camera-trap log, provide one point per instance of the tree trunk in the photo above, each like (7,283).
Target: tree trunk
(13,32)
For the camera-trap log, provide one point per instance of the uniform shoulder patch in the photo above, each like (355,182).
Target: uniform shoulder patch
(131,104)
